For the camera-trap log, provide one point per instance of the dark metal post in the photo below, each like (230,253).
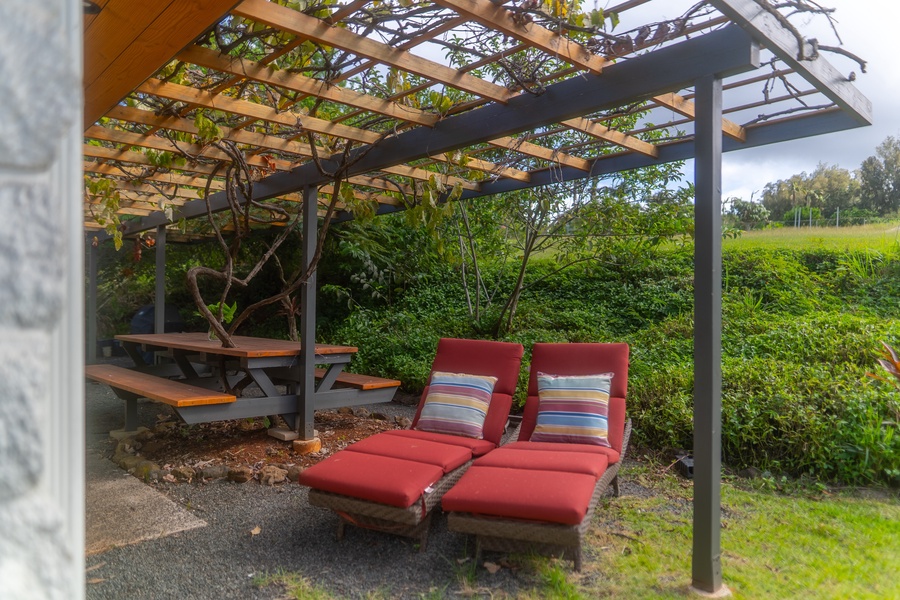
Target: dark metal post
(306,390)
(91,309)
(706,563)
(159,311)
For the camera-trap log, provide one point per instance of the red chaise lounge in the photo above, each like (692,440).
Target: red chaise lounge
(391,481)
(539,496)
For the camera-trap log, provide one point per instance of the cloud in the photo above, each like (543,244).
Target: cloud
(865,29)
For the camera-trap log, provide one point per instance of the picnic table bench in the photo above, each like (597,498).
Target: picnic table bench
(271,366)
(130,385)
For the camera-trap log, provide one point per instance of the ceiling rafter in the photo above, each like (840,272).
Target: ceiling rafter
(686,107)
(608,134)
(260,140)
(182,93)
(500,19)
(319,31)
(388,144)
(727,52)
(527,148)
(212,59)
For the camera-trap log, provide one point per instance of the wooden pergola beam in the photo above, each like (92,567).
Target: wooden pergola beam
(317,30)
(686,108)
(502,20)
(130,40)
(298,83)
(726,52)
(535,151)
(204,99)
(629,142)
(764,27)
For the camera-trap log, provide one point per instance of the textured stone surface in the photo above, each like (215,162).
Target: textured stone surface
(270,475)
(32,551)
(240,474)
(39,81)
(20,441)
(31,244)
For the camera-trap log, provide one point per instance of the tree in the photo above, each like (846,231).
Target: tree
(880,178)
(826,189)
(745,214)
(571,224)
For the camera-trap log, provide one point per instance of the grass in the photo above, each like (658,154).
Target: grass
(881,238)
(780,539)
(804,544)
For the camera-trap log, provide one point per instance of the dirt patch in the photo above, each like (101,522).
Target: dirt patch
(172,444)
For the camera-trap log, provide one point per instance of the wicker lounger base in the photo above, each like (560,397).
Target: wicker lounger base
(408,522)
(514,535)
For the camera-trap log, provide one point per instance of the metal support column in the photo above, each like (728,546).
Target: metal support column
(706,563)
(307,389)
(91,309)
(159,303)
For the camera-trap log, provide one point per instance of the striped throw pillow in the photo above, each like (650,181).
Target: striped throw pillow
(573,409)
(457,404)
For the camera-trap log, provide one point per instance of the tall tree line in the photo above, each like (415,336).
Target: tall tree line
(832,193)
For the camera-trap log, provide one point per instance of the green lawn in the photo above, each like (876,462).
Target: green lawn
(780,540)
(881,237)
(805,544)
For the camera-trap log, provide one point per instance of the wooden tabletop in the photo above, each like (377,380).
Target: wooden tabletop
(246,347)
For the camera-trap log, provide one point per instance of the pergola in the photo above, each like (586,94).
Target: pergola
(404,102)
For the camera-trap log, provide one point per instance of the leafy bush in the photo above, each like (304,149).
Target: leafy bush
(801,328)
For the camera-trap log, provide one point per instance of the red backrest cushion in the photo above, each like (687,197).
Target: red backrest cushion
(580,359)
(482,357)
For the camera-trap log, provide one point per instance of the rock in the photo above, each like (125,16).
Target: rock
(270,475)
(184,473)
(144,470)
(240,474)
(361,412)
(144,435)
(750,473)
(127,461)
(214,472)
(379,416)
(345,410)
(293,472)
(125,446)
(403,422)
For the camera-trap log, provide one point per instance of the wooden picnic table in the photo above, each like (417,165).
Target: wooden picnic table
(271,366)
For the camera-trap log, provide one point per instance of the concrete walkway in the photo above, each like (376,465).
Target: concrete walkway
(121,510)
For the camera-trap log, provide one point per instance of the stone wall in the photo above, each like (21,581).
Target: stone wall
(41,306)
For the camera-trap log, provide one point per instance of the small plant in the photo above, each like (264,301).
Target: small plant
(221,311)
(222,308)
(890,362)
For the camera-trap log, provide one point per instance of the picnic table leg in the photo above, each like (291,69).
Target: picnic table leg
(262,380)
(134,352)
(331,375)
(131,420)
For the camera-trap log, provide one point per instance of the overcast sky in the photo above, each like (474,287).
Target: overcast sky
(866,28)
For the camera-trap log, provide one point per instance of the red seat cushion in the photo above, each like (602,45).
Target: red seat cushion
(382,479)
(445,456)
(611,454)
(545,460)
(476,447)
(548,496)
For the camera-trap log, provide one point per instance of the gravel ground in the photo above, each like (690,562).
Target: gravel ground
(224,559)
